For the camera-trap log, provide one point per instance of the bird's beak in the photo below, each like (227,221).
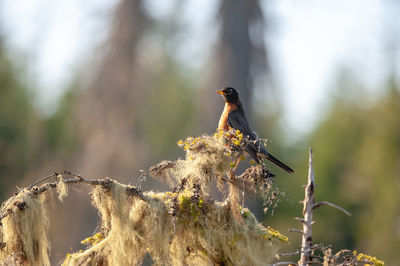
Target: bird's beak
(221,92)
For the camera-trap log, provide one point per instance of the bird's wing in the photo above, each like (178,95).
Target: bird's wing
(238,121)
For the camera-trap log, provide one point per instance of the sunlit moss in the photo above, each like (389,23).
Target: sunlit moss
(93,240)
(370,260)
(272,233)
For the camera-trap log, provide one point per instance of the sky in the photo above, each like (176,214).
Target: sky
(317,38)
(309,40)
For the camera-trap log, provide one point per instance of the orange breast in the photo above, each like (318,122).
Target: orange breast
(223,121)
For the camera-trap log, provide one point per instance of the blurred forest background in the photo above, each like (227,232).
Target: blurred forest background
(147,76)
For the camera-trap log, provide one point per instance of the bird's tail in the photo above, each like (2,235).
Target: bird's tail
(271,158)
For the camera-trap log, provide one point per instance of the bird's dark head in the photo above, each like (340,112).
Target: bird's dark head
(230,95)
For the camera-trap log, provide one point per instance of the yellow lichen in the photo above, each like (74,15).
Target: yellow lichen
(93,240)
(272,233)
(368,259)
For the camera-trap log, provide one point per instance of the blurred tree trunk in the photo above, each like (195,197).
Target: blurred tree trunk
(240,54)
(105,117)
(106,110)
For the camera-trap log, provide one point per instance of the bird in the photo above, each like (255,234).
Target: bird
(233,116)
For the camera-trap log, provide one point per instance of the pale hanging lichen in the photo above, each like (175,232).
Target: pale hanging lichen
(62,188)
(184,226)
(203,231)
(24,230)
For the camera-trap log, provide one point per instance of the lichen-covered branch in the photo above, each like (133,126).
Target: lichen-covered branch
(24,222)
(5,210)
(177,227)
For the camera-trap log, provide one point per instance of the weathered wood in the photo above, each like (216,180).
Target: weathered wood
(308,206)
(327,203)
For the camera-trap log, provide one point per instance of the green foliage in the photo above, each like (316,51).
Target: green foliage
(18,123)
(26,139)
(373,180)
(61,132)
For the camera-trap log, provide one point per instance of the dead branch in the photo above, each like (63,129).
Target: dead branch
(308,204)
(295,231)
(327,203)
(65,172)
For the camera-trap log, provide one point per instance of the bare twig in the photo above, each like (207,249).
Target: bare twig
(106,183)
(65,172)
(295,231)
(288,254)
(296,252)
(301,220)
(327,203)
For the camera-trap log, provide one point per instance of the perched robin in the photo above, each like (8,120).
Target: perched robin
(234,116)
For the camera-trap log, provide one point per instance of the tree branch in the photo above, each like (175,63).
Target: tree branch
(65,172)
(295,231)
(106,183)
(327,203)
